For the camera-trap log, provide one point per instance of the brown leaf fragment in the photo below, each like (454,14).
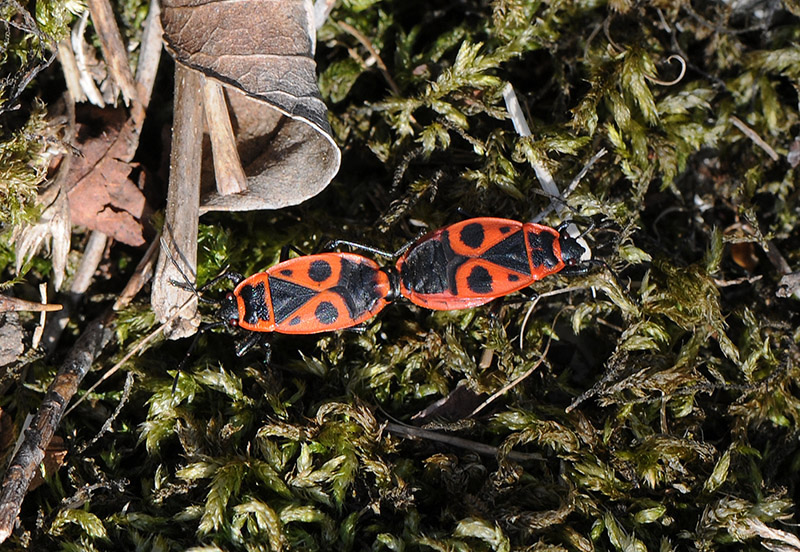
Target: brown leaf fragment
(54,456)
(265,51)
(455,406)
(104,194)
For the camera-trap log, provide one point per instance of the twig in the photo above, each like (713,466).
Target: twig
(141,275)
(543,174)
(750,133)
(502,391)
(13,304)
(85,80)
(227,165)
(126,393)
(69,65)
(481,448)
(26,461)
(149,54)
(372,52)
(39,330)
(183,204)
(113,49)
(737,281)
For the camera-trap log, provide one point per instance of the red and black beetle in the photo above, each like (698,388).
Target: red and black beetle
(309,294)
(474,261)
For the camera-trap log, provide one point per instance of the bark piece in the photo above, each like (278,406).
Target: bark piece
(265,51)
(183,202)
(11,340)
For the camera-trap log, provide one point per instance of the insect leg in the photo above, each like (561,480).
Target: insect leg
(252,340)
(290,247)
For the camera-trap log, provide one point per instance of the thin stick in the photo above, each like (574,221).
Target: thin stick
(113,49)
(150,53)
(757,140)
(135,349)
(126,393)
(79,45)
(26,461)
(480,448)
(183,202)
(372,52)
(13,304)
(141,275)
(543,174)
(69,65)
(507,387)
(37,333)
(227,165)
(92,255)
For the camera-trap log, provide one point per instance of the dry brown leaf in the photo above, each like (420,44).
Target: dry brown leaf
(102,195)
(264,50)
(455,406)
(54,456)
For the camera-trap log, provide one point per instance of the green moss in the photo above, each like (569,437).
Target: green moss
(659,405)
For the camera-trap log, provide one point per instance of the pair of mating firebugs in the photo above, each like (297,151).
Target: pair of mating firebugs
(460,266)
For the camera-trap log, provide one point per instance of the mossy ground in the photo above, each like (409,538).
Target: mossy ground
(687,436)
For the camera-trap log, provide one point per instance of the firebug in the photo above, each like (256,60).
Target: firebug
(309,294)
(474,261)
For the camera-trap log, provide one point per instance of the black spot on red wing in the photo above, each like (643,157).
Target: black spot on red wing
(319,271)
(287,297)
(479,280)
(505,229)
(542,253)
(513,278)
(472,235)
(255,305)
(295,321)
(287,272)
(510,253)
(326,313)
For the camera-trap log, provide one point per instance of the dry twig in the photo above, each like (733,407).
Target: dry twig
(27,459)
